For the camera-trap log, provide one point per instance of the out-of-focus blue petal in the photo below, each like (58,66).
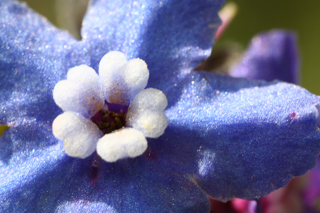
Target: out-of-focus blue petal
(34,55)
(252,137)
(130,185)
(172,36)
(312,191)
(271,55)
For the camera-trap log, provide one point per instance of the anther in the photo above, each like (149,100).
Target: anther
(111,121)
(118,122)
(112,127)
(106,117)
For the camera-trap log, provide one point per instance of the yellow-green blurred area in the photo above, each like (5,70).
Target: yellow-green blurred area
(262,15)
(2,128)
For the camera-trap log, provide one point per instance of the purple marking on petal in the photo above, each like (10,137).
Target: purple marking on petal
(95,169)
(293,115)
(150,154)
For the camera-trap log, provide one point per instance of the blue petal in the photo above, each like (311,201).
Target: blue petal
(80,206)
(251,137)
(131,185)
(34,55)
(26,163)
(25,138)
(272,55)
(172,36)
(236,130)
(33,164)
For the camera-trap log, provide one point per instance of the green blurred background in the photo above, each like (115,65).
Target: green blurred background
(303,17)
(255,16)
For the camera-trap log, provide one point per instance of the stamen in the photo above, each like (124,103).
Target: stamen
(110,120)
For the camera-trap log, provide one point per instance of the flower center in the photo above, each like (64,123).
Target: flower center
(111,113)
(110,118)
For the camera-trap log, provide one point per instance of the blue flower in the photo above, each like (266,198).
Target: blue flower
(226,137)
(270,56)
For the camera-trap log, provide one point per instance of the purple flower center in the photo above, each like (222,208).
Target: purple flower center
(111,117)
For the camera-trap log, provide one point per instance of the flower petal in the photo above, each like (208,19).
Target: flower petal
(251,137)
(34,55)
(82,92)
(130,185)
(312,190)
(146,114)
(171,36)
(26,137)
(80,206)
(123,143)
(29,150)
(151,99)
(271,55)
(80,135)
(122,79)
(151,123)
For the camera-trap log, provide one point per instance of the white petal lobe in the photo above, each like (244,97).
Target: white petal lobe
(146,114)
(122,80)
(110,71)
(151,123)
(124,143)
(82,74)
(82,92)
(110,65)
(151,99)
(136,76)
(79,135)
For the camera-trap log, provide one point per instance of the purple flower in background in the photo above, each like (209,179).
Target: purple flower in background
(226,137)
(270,56)
(311,192)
